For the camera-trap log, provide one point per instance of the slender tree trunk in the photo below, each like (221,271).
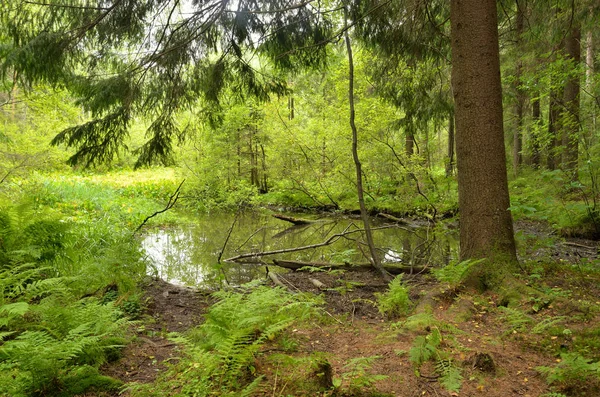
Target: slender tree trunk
(409,143)
(291,107)
(359,183)
(536,114)
(554,147)
(486,228)
(450,163)
(520,94)
(570,119)
(589,76)
(264,185)
(589,59)
(426,144)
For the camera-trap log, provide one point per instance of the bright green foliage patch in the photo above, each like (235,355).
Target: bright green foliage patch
(51,340)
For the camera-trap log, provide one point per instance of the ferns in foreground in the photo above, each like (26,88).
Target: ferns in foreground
(221,352)
(51,342)
(573,369)
(426,348)
(395,302)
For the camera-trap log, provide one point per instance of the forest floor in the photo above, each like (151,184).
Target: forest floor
(497,352)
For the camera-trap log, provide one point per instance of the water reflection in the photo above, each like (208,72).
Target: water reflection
(189,254)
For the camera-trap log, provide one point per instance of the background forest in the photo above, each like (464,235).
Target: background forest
(112,112)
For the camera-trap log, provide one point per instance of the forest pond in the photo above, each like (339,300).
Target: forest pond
(188,254)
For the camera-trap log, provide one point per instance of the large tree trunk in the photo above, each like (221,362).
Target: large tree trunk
(486,228)
(570,117)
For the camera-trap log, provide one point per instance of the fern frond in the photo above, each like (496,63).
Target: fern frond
(450,376)
(455,273)
(421,351)
(15,309)
(548,322)
(516,319)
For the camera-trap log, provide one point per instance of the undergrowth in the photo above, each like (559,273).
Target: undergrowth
(395,302)
(220,354)
(52,338)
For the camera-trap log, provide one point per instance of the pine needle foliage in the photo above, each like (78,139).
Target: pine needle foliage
(155,59)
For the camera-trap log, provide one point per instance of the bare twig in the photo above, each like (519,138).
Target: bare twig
(170,204)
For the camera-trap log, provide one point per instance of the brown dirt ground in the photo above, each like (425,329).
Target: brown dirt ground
(357,329)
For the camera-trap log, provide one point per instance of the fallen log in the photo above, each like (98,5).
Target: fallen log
(393,218)
(392,269)
(291,219)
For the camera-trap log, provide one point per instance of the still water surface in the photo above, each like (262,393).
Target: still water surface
(189,254)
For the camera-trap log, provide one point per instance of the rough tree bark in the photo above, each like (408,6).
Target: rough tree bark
(486,228)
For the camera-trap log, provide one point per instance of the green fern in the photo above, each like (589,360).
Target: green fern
(456,272)
(427,348)
(357,376)
(573,368)
(424,348)
(220,354)
(450,375)
(395,302)
(547,323)
(516,320)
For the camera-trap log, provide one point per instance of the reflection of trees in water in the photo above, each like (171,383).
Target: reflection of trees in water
(189,254)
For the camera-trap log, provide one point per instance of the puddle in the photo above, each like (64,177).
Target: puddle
(189,254)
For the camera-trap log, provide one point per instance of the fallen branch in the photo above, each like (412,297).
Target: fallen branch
(291,219)
(392,269)
(393,218)
(276,280)
(329,241)
(170,204)
(587,247)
